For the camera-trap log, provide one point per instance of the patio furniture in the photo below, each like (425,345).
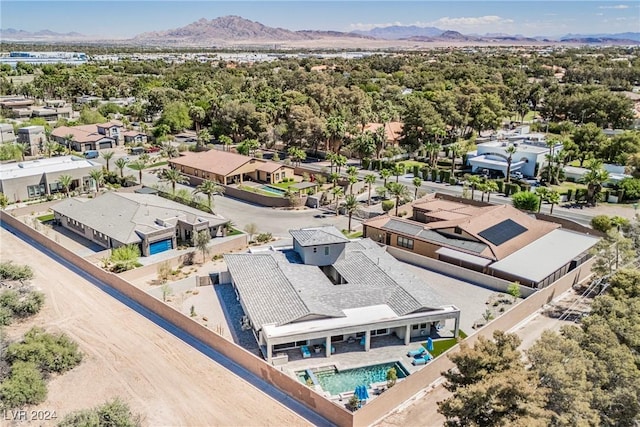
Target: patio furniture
(363,340)
(333,349)
(305,351)
(417,352)
(423,360)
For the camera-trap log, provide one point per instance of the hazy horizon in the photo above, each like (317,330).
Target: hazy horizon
(120,19)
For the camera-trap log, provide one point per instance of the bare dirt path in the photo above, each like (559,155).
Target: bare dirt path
(167,381)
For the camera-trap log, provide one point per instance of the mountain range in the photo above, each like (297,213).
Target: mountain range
(228,30)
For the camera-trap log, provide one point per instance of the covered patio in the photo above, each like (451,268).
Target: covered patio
(495,162)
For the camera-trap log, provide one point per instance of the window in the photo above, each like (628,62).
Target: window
(315,250)
(405,242)
(414,327)
(326,250)
(35,190)
(423,325)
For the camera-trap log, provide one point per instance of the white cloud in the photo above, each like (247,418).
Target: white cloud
(446,23)
(599,14)
(617,6)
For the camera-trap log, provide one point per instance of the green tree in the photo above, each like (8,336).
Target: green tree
(4,200)
(124,258)
(65,181)
(203,138)
(137,165)
(594,179)
(526,201)
(98,178)
(340,162)
(351,206)
(510,150)
(121,163)
(174,177)
(337,192)
(197,115)
(399,192)
(514,290)
(226,141)
(209,188)
(176,116)
(398,170)
(385,174)
(588,139)
(473,181)
(369,179)
(490,187)
(251,229)
(387,205)
(297,155)
(601,223)
(107,156)
(201,241)
(417,182)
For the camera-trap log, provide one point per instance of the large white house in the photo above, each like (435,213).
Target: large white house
(531,150)
(327,290)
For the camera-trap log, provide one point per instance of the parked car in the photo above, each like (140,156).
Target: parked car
(517,175)
(91,154)
(153,149)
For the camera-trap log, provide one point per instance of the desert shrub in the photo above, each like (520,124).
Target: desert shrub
(387,205)
(124,258)
(114,413)
(48,352)
(601,223)
(22,304)
(24,386)
(264,237)
(11,271)
(366,163)
(631,187)
(526,201)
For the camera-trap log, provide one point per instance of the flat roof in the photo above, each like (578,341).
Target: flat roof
(44,166)
(544,256)
(483,262)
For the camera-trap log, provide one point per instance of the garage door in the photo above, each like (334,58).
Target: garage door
(105,145)
(161,246)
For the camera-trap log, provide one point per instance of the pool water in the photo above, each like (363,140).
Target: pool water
(337,382)
(273,190)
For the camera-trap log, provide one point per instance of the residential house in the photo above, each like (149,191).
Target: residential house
(16,106)
(134,137)
(327,290)
(37,178)
(230,168)
(486,239)
(153,223)
(529,158)
(34,137)
(88,137)
(53,110)
(7,135)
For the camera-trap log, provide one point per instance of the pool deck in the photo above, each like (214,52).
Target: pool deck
(384,349)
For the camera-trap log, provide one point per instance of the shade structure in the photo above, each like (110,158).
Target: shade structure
(361,392)
(365,393)
(429,344)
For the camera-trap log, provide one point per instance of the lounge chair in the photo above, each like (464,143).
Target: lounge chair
(417,352)
(363,340)
(423,360)
(305,351)
(333,349)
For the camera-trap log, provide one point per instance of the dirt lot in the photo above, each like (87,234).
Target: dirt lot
(126,355)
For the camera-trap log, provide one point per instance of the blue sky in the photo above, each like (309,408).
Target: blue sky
(126,18)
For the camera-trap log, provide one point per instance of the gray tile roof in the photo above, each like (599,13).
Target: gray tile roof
(318,236)
(122,216)
(275,291)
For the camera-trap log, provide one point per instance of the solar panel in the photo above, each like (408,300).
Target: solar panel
(502,232)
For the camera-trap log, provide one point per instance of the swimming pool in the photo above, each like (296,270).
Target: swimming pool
(336,382)
(274,190)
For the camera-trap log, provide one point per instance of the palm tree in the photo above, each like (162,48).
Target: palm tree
(553,197)
(23,149)
(107,155)
(455,149)
(399,191)
(510,150)
(489,187)
(49,147)
(594,180)
(65,181)
(337,192)
(431,150)
(139,165)
(385,174)
(352,171)
(350,206)
(352,180)
(369,179)
(97,176)
(197,115)
(340,162)
(174,177)
(331,157)
(474,181)
(68,139)
(397,170)
(417,182)
(121,163)
(169,151)
(201,241)
(333,178)
(209,188)
(203,138)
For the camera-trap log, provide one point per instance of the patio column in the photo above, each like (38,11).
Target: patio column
(407,334)
(367,340)
(327,346)
(456,329)
(269,352)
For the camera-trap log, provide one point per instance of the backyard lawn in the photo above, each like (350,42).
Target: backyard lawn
(440,346)
(283,185)
(564,186)
(46,218)
(409,164)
